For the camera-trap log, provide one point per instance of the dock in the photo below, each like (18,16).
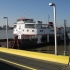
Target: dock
(27,60)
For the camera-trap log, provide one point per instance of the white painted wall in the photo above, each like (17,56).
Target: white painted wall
(29,32)
(23,30)
(20,29)
(20,22)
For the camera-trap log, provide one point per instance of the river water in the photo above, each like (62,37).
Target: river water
(3,34)
(51,49)
(45,49)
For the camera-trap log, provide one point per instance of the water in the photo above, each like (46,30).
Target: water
(51,49)
(3,34)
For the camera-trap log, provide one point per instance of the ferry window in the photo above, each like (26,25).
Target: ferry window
(52,30)
(27,30)
(14,26)
(29,26)
(19,28)
(32,30)
(41,30)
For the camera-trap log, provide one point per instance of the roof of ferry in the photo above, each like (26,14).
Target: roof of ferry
(23,19)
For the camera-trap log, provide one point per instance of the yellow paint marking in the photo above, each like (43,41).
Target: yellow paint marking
(18,64)
(36,55)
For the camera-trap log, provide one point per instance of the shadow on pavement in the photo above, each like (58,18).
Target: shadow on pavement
(4,66)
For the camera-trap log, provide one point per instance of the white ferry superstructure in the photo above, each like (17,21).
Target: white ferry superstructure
(28,29)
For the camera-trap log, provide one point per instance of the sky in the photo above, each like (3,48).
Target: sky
(36,9)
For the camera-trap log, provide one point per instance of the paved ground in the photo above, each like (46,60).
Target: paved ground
(23,63)
(4,66)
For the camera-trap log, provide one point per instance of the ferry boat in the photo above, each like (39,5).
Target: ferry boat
(37,32)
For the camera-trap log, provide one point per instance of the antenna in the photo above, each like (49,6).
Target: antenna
(23,16)
(48,18)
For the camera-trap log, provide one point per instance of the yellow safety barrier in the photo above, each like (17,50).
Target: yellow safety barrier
(42,56)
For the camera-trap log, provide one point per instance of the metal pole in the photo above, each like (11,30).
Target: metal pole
(54,7)
(64,37)
(48,19)
(7,31)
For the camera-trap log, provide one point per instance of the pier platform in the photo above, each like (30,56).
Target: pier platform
(33,60)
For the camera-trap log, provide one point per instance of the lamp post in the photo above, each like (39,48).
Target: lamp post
(6,28)
(64,37)
(54,8)
(48,19)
